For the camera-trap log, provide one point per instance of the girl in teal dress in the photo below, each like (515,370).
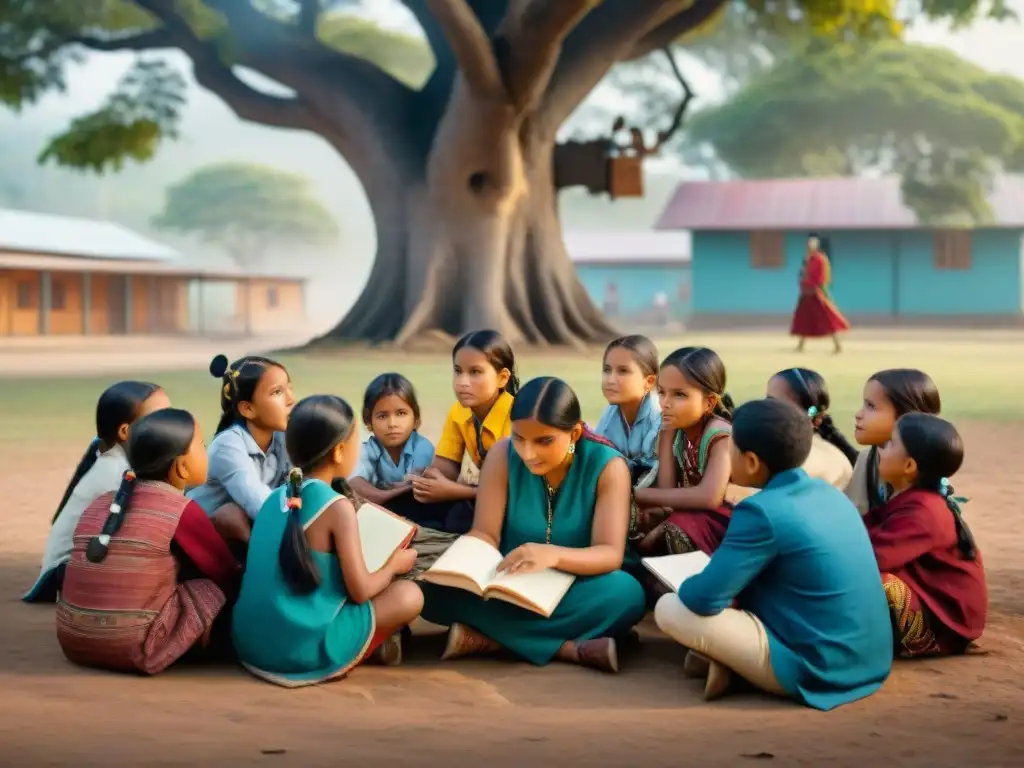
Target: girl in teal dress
(552,496)
(309,611)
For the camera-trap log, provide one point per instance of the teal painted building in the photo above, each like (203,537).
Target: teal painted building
(749,238)
(641,277)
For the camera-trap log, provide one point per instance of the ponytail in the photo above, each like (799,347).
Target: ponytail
(829,432)
(964,537)
(295,557)
(725,407)
(98,546)
(84,465)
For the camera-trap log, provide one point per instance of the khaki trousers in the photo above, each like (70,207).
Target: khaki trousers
(734,639)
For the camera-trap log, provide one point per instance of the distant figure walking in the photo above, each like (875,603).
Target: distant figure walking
(816,315)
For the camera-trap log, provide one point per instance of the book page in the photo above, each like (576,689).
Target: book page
(468,557)
(380,534)
(541,591)
(673,570)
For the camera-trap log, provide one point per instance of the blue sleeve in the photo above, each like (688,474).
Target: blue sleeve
(233,469)
(366,469)
(749,546)
(423,456)
(605,422)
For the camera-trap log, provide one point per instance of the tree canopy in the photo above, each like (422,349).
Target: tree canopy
(246,209)
(943,124)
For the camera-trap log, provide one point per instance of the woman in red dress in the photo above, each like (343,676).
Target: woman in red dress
(816,315)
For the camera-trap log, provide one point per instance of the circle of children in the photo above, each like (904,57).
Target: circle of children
(825,563)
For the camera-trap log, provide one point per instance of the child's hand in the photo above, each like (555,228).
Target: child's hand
(402,561)
(431,489)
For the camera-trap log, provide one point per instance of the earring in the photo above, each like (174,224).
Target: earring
(572,448)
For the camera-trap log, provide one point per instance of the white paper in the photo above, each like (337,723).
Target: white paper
(380,534)
(673,570)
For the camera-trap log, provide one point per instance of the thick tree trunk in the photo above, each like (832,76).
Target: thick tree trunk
(468,236)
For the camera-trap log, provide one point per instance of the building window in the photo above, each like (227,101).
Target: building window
(26,295)
(58,295)
(272,298)
(951,249)
(767,250)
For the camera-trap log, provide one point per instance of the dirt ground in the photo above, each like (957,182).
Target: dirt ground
(962,711)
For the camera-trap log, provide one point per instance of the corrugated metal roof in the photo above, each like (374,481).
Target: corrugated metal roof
(836,203)
(28,232)
(51,263)
(624,247)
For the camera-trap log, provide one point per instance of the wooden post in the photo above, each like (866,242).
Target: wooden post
(200,309)
(128,305)
(86,303)
(248,307)
(45,301)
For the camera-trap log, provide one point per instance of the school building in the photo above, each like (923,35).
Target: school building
(749,238)
(640,277)
(71,276)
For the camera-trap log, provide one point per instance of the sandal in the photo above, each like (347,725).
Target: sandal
(600,653)
(389,653)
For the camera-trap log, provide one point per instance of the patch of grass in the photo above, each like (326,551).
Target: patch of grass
(979,376)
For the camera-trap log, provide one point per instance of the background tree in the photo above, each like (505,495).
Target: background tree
(943,124)
(246,209)
(458,172)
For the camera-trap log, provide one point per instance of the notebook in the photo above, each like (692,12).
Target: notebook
(471,564)
(673,570)
(381,534)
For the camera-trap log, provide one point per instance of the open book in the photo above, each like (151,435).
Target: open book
(471,564)
(673,570)
(381,533)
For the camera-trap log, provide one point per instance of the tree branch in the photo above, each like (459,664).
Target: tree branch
(529,44)
(680,113)
(675,27)
(470,45)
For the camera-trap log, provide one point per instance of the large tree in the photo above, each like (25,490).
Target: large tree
(459,172)
(945,125)
(246,209)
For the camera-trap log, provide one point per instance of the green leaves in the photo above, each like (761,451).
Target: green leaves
(244,207)
(143,111)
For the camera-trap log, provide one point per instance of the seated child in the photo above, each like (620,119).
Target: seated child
(632,420)
(247,456)
(309,611)
(888,395)
(931,569)
(100,471)
(812,622)
(149,574)
(485,384)
(693,455)
(832,457)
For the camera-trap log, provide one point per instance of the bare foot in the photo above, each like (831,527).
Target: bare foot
(463,641)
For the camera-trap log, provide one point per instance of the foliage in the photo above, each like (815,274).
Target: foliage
(245,208)
(942,123)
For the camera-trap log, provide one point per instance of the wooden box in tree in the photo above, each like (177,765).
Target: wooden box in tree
(625,176)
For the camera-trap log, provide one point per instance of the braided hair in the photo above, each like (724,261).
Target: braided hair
(703,368)
(811,392)
(238,384)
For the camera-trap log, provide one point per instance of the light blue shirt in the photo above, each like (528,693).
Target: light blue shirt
(639,442)
(378,468)
(241,472)
(798,557)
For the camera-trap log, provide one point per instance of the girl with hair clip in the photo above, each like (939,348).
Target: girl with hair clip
(485,384)
(832,457)
(888,395)
(148,575)
(553,463)
(931,568)
(247,456)
(99,471)
(693,461)
(309,611)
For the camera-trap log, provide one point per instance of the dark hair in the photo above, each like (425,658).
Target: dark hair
(810,389)
(155,443)
(118,405)
(498,352)
(553,403)
(703,368)
(775,431)
(385,385)
(317,424)
(642,349)
(239,381)
(909,391)
(937,448)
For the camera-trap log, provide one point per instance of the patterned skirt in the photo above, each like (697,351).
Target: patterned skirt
(690,530)
(916,632)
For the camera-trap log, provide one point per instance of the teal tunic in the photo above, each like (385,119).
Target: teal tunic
(293,639)
(595,606)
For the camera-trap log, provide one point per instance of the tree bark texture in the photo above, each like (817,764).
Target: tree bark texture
(460,174)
